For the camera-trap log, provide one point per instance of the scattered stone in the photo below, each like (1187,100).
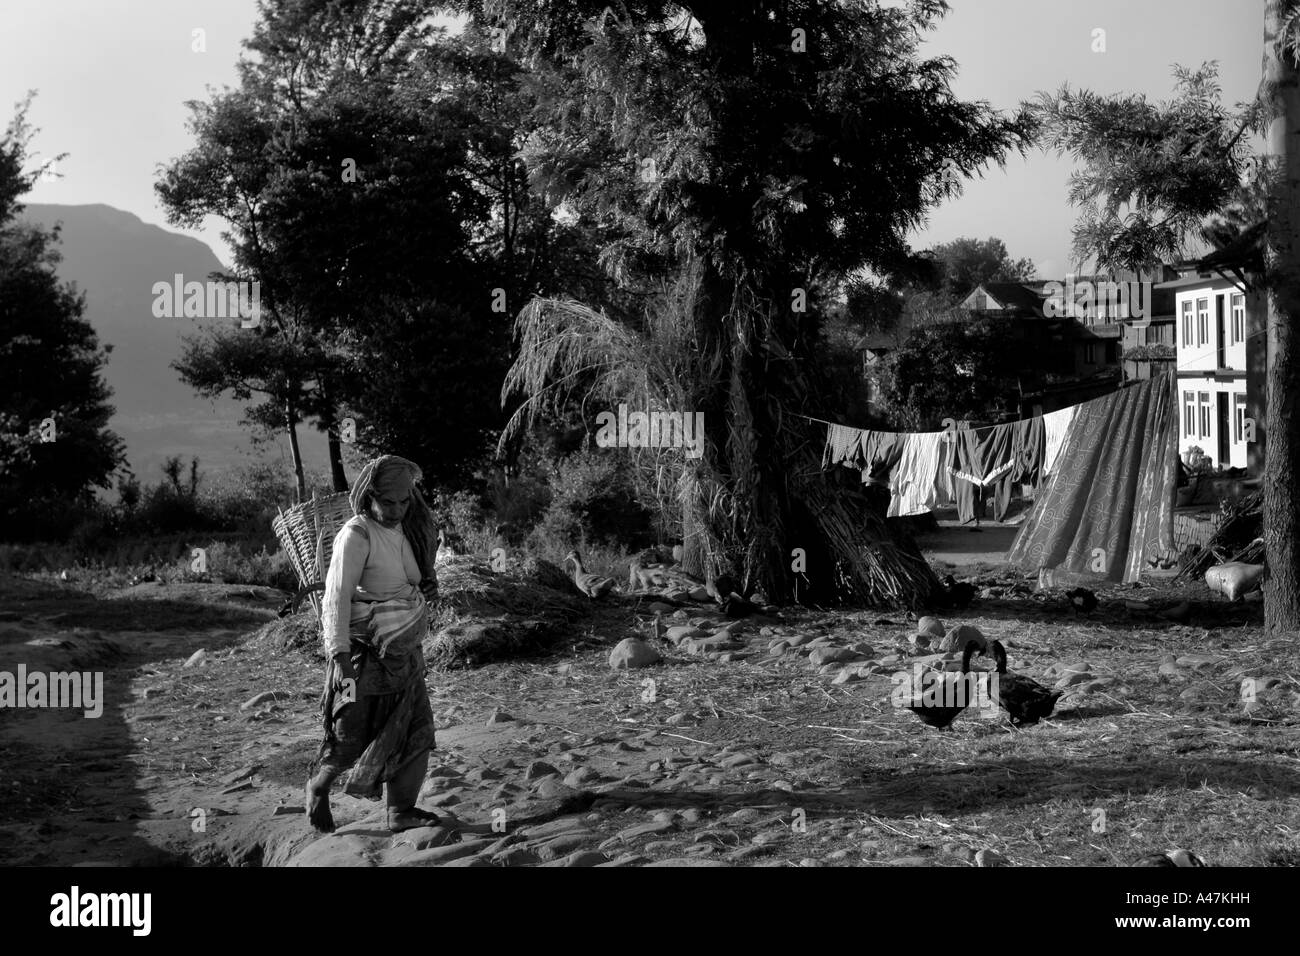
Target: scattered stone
(1071,678)
(499,716)
(1198,661)
(737,760)
(240,774)
(564,844)
(263,698)
(778,648)
(1170,669)
(990,858)
(829,655)
(538,769)
(930,627)
(643,829)
(196,658)
(445,854)
(682,633)
(554,788)
(632,652)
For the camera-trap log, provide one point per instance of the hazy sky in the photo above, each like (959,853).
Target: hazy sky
(112,77)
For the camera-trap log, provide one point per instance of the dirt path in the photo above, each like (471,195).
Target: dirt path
(783,749)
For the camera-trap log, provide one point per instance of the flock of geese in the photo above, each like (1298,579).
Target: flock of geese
(1025,701)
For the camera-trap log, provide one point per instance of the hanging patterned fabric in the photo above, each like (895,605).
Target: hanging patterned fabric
(1107,512)
(1056,425)
(913,484)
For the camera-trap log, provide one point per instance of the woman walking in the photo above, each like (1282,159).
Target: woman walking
(381,579)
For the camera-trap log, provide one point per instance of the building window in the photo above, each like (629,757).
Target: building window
(1204,403)
(1239,417)
(1203,321)
(1090,353)
(1187,323)
(1189,415)
(1238,318)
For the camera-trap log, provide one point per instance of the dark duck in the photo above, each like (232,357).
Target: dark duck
(955,698)
(1082,600)
(956,594)
(1026,700)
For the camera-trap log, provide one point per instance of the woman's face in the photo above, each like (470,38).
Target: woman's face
(388,511)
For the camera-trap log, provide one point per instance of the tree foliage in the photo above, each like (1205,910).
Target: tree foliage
(771,149)
(51,367)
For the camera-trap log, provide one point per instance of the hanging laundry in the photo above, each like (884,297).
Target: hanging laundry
(881,452)
(1028,449)
(843,446)
(914,480)
(1107,511)
(1056,425)
(944,493)
(984,459)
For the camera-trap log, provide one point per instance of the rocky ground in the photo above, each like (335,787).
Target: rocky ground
(771,742)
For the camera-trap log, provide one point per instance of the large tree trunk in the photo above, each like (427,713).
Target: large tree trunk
(1282,469)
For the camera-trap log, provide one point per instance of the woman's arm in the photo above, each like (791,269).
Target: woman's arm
(351,547)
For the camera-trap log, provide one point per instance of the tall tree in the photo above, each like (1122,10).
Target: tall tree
(1155,177)
(776,147)
(55,445)
(965,263)
(1281,96)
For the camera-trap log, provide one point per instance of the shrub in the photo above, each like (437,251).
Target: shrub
(594,502)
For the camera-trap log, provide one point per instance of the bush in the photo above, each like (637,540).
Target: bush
(231,563)
(594,502)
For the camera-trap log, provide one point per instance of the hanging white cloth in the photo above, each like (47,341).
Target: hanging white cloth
(1055,426)
(913,489)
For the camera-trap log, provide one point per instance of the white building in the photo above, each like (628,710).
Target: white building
(1211,335)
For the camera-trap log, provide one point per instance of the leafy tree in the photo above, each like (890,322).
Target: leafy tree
(1156,177)
(964,371)
(51,367)
(965,263)
(775,148)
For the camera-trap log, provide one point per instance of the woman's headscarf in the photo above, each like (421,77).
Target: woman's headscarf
(391,476)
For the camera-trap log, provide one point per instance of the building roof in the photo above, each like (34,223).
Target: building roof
(1012,295)
(1188,282)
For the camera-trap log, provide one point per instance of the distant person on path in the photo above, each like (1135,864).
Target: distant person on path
(374,615)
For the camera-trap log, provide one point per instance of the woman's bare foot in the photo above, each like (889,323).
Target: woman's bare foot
(317,801)
(399,820)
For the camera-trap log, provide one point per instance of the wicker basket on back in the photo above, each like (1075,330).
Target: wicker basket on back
(306,532)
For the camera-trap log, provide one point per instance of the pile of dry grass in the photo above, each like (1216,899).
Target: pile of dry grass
(483,616)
